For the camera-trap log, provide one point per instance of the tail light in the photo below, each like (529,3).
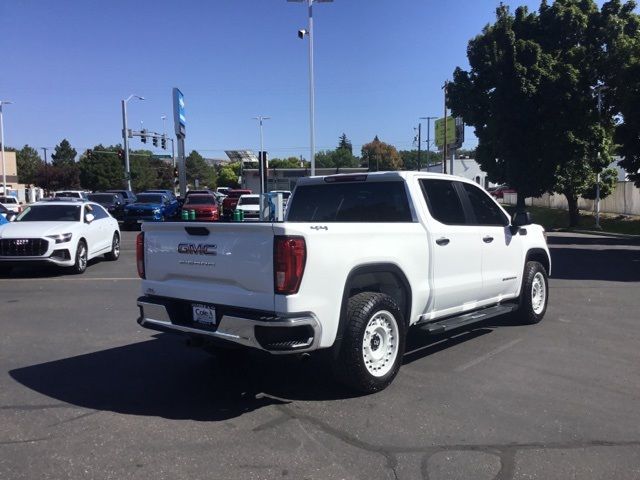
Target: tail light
(140,254)
(289,258)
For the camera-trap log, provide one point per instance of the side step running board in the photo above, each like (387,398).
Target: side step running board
(442,326)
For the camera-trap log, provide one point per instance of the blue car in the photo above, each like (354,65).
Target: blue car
(150,207)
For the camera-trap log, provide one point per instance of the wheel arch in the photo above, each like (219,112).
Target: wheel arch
(539,255)
(385,278)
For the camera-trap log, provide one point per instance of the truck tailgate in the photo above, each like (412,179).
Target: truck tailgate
(218,263)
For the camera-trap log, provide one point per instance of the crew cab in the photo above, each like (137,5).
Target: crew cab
(358,260)
(150,207)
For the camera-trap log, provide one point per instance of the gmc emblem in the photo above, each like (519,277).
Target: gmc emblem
(199,249)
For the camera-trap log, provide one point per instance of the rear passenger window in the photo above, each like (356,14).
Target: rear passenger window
(485,210)
(443,201)
(350,202)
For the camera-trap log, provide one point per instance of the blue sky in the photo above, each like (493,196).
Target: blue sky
(380,65)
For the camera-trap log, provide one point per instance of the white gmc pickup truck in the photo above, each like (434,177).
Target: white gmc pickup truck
(358,260)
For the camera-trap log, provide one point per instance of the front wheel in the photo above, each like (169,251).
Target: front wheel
(373,343)
(81,258)
(114,254)
(534,295)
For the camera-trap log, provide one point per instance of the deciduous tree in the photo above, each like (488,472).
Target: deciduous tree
(377,155)
(28,163)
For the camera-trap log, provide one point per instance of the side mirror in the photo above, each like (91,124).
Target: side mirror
(89,217)
(520,219)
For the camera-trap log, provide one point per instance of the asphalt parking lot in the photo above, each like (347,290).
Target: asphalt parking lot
(86,393)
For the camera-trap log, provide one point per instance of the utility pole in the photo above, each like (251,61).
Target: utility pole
(419,143)
(46,170)
(4,166)
(428,119)
(262,161)
(444,143)
(301,34)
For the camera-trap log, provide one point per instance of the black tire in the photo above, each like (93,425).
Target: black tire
(5,269)
(354,363)
(114,254)
(531,306)
(82,255)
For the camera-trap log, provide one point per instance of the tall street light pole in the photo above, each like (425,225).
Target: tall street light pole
(4,166)
(428,119)
(46,169)
(263,163)
(125,137)
(301,35)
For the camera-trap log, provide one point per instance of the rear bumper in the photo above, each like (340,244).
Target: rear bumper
(277,334)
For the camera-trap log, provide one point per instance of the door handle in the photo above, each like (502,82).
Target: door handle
(487,239)
(442,241)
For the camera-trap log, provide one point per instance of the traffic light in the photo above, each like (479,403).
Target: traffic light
(143,136)
(154,139)
(175,172)
(163,142)
(89,153)
(120,154)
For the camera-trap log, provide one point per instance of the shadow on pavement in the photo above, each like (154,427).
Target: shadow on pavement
(162,377)
(44,271)
(620,265)
(592,240)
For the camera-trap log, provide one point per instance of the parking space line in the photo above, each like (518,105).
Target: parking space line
(488,355)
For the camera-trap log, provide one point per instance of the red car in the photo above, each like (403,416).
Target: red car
(205,206)
(231,200)
(499,192)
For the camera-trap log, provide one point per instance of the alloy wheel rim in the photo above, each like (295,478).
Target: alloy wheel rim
(538,293)
(82,257)
(380,343)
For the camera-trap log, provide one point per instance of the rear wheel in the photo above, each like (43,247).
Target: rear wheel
(114,254)
(81,258)
(373,343)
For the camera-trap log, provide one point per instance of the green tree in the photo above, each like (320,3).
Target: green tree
(289,162)
(410,159)
(143,176)
(324,159)
(528,94)
(198,168)
(102,168)
(620,29)
(377,155)
(345,143)
(54,178)
(608,182)
(28,163)
(227,177)
(64,154)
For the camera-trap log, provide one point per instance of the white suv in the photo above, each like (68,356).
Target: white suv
(10,203)
(64,233)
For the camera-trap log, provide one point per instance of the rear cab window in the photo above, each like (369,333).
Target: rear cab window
(443,201)
(366,202)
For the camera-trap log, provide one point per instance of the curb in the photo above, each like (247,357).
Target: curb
(599,232)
